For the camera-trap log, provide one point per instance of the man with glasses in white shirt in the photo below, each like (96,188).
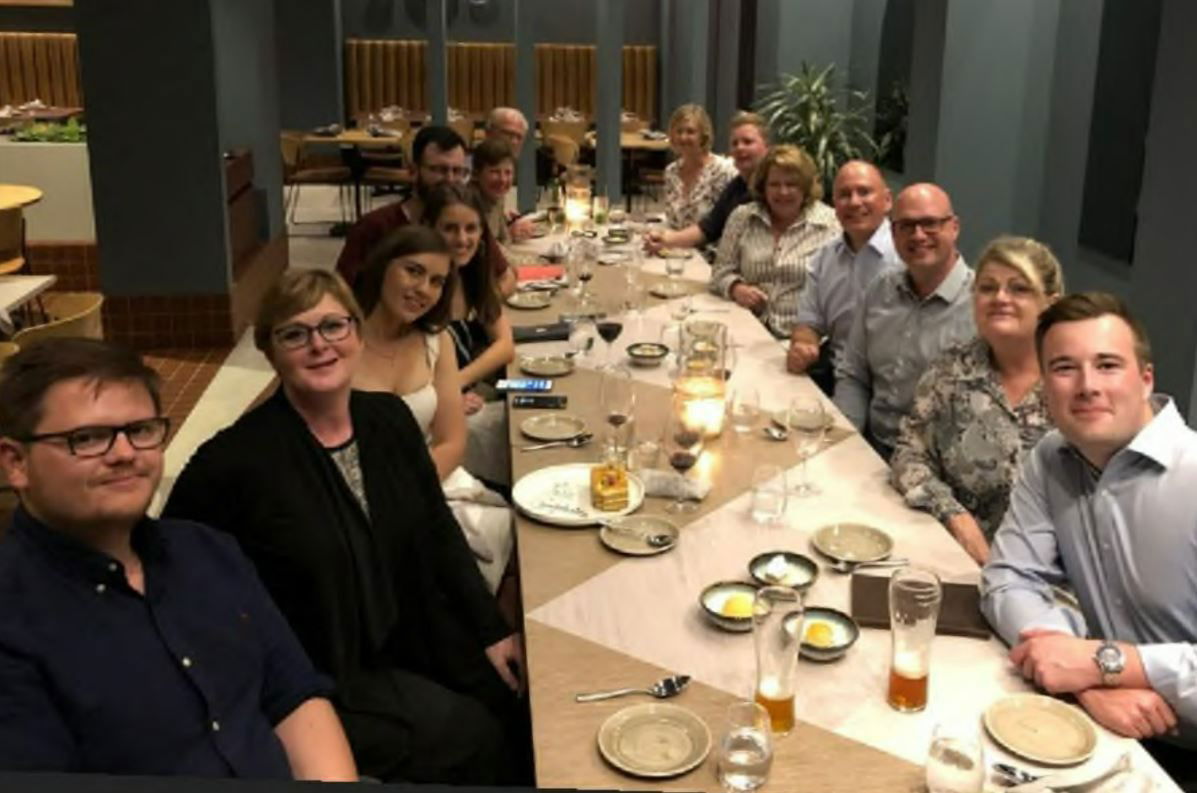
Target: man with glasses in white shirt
(907,318)
(1104,506)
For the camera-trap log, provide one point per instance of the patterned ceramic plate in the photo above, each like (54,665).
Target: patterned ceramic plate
(530,300)
(654,740)
(546,365)
(552,426)
(1042,729)
(853,542)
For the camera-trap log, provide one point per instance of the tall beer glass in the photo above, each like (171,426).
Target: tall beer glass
(777,632)
(914,598)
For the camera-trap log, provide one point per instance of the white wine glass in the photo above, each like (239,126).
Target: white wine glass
(807,422)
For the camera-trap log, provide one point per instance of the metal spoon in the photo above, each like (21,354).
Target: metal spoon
(775,433)
(1022,779)
(664,688)
(1013,775)
(842,566)
(653,540)
(573,443)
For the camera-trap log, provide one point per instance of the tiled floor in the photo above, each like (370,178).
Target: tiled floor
(185,375)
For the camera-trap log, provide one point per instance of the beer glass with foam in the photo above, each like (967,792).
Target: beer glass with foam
(777,630)
(914,598)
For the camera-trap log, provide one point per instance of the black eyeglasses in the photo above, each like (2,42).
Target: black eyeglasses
(928,225)
(97,441)
(296,335)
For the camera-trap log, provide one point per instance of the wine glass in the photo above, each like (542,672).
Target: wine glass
(582,334)
(807,422)
(683,445)
(582,263)
(618,399)
(611,325)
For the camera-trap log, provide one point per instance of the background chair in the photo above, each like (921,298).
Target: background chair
(574,130)
(12,241)
(71,314)
(297,172)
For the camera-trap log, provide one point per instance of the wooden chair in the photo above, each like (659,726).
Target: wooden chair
(297,173)
(465,128)
(574,130)
(71,314)
(12,241)
(565,150)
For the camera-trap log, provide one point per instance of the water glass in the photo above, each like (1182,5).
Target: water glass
(955,762)
(745,748)
(768,494)
(914,597)
(745,409)
(602,206)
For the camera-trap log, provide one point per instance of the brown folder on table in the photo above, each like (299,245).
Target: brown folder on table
(959,614)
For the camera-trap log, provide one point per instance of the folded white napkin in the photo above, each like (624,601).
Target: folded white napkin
(670,484)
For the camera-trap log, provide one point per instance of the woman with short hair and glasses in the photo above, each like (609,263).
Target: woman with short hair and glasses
(332,493)
(979,408)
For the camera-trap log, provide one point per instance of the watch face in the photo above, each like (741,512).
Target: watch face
(1110,658)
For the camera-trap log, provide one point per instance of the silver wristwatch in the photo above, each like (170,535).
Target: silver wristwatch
(1110,662)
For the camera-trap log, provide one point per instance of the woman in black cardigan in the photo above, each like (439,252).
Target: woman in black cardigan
(332,493)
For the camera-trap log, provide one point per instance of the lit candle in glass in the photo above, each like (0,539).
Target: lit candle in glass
(705,402)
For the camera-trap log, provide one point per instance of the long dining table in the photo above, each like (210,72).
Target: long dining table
(595,620)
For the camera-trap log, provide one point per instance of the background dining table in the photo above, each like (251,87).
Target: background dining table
(594,619)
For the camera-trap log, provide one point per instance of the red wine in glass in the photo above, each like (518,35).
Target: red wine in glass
(610,331)
(682,461)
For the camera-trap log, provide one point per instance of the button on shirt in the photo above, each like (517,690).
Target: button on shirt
(188,680)
(1124,538)
(750,253)
(836,282)
(895,336)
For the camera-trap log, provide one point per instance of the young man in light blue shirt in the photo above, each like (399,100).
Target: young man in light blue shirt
(1105,505)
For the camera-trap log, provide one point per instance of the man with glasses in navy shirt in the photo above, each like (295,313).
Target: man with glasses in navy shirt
(130,645)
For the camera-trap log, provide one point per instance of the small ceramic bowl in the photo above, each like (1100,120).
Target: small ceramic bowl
(647,353)
(827,634)
(728,604)
(784,568)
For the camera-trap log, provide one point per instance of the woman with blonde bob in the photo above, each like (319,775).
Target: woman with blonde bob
(332,493)
(696,178)
(979,408)
(768,243)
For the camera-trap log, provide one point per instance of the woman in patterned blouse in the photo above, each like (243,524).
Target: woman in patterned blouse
(768,243)
(696,178)
(979,409)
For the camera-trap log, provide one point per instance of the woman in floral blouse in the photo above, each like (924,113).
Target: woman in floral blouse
(696,178)
(979,408)
(768,243)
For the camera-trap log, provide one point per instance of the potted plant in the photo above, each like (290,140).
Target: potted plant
(809,110)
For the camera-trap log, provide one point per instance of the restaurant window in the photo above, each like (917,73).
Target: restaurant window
(1118,127)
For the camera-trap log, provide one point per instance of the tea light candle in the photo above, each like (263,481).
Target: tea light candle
(705,403)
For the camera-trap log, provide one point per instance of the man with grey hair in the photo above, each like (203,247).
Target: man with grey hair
(510,125)
(907,317)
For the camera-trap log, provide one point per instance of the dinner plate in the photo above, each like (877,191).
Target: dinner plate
(613,257)
(654,740)
(553,426)
(560,495)
(853,542)
(546,365)
(633,528)
(667,289)
(779,418)
(1042,729)
(530,300)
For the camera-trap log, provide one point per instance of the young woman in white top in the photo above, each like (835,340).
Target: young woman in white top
(406,292)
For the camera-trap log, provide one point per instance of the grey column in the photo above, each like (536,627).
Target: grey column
(525,100)
(926,77)
(609,19)
(1163,277)
(994,110)
(437,66)
(727,67)
(157,180)
(310,62)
